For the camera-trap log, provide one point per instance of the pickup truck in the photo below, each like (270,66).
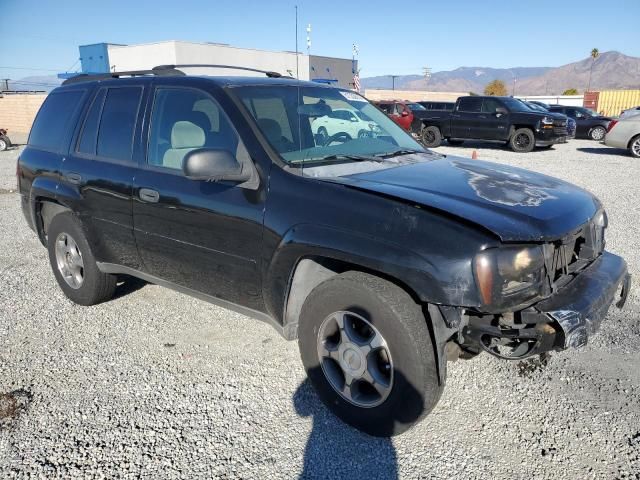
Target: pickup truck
(491,118)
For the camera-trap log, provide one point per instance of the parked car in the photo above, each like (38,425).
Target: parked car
(349,122)
(4,140)
(502,119)
(538,107)
(630,112)
(432,105)
(589,124)
(397,111)
(625,133)
(381,258)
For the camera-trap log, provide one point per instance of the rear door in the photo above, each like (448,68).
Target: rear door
(97,175)
(465,121)
(200,235)
(493,125)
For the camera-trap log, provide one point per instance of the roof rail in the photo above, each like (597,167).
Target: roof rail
(85,77)
(268,73)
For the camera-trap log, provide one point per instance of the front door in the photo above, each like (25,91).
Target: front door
(493,125)
(205,236)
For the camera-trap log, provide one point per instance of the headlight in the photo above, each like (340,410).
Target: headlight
(509,276)
(547,121)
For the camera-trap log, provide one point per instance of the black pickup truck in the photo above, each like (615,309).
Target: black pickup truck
(503,119)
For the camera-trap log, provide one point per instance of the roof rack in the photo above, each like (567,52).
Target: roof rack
(85,77)
(268,73)
(162,70)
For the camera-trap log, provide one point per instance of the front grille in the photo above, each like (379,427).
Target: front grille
(560,131)
(566,257)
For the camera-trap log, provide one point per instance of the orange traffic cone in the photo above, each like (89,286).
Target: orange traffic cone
(474,155)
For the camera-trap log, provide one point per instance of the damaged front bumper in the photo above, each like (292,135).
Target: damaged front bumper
(564,320)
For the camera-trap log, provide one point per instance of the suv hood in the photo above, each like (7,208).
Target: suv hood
(514,204)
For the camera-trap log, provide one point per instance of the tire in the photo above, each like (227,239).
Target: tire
(453,142)
(431,137)
(522,140)
(634,146)
(412,386)
(4,143)
(364,133)
(69,252)
(597,133)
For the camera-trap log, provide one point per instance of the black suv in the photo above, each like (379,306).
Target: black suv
(382,258)
(589,124)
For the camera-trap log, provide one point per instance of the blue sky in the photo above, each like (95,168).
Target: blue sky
(395,37)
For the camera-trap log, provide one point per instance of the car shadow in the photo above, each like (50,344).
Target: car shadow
(603,150)
(127,285)
(337,450)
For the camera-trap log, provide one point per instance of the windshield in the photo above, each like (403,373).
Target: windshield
(587,111)
(311,125)
(415,106)
(515,105)
(536,107)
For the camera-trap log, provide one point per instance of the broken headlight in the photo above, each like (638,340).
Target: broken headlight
(509,276)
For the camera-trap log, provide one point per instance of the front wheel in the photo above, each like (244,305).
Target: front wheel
(4,143)
(522,140)
(431,137)
(634,146)
(366,347)
(597,133)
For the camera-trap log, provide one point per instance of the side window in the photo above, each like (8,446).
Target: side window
(399,109)
(489,105)
(470,104)
(53,122)
(570,112)
(117,123)
(183,120)
(87,143)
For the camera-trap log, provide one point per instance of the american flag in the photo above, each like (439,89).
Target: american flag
(356,82)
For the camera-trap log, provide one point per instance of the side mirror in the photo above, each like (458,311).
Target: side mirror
(501,111)
(213,165)
(404,113)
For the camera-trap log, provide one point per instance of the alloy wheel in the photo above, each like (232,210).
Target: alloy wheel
(598,133)
(69,260)
(355,359)
(522,140)
(635,147)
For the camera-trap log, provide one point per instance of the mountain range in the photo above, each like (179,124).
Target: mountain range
(611,71)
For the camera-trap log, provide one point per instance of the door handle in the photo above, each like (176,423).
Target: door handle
(74,178)
(148,195)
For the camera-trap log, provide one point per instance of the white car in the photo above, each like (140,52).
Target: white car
(350,122)
(625,133)
(630,112)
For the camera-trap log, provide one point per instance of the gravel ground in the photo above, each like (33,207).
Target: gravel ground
(158,385)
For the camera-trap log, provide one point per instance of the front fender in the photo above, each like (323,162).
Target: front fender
(419,274)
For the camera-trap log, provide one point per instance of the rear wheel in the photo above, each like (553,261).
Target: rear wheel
(431,137)
(634,146)
(367,350)
(4,143)
(597,133)
(74,265)
(522,140)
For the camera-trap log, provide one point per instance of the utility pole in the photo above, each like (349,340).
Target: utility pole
(427,74)
(297,67)
(4,85)
(393,81)
(309,39)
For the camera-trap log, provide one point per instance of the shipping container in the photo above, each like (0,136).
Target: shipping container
(612,102)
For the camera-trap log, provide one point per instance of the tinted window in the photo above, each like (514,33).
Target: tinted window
(89,135)
(470,104)
(489,105)
(54,120)
(183,120)
(117,123)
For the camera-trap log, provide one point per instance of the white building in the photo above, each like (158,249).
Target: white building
(100,57)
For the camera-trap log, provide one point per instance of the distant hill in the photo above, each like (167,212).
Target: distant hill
(46,83)
(611,70)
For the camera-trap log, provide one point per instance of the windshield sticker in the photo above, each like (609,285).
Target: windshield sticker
(352,96)
(507,187)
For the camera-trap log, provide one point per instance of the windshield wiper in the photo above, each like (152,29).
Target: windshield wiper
(397,153)
(346,156)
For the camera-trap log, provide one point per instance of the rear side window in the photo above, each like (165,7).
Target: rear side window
(470,104)
(54,121)
(118,122)
(89,135)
